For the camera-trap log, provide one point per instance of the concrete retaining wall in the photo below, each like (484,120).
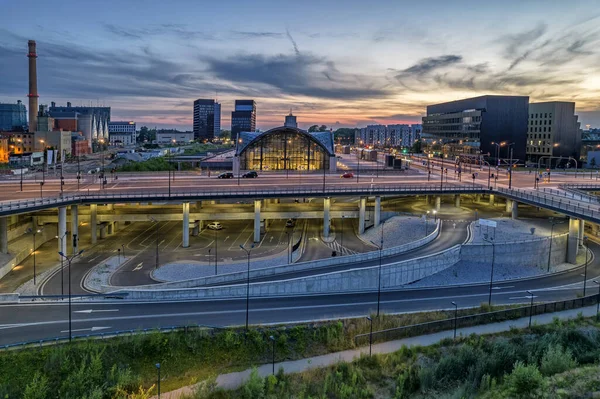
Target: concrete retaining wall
(21,248)
(270,271)
(355,280)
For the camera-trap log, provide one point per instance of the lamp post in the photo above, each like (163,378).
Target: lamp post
(551,236)
(22,151)
(43,163)
(102,175)
(380,248)
(216,250)
(434,216)
(33,233)
(62,284)
(358,154)
(598,300)
(370,336)
(455,317)
(492,271)
(272,339)
(123,250)
(530,307)
(69,260)
(158,378)
(426,214)
(288,247)
(585,240)
(247,284)
(156,234)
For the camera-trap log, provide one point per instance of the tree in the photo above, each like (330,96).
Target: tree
(146,135)
(313,128)
(225,134)
(344,135)
(322,128)
(593,163)
(416,147)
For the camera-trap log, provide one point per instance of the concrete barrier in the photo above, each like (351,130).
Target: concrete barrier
(271,271)
(14,297)
(21,248)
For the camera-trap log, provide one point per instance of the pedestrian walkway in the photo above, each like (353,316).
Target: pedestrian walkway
(235,380)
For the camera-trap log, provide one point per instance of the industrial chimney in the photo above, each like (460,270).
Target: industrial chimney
(33,93)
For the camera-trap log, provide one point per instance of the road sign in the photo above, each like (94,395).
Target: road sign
(487,222)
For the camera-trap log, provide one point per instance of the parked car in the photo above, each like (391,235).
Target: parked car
(347,175)
(226,175)
(250,175)
(215,226)
(290,223)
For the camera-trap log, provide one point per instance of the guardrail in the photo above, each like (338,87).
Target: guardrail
(571,193)
(474,320)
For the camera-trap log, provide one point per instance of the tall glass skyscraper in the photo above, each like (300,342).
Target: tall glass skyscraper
(207,119)
(13,116)
(243,118)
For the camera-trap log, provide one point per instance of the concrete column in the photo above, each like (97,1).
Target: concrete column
(110,228)
(198,206)
(477,197)
(103,229)
(438,203)
(186,224)
(256,220)
(457,200)
(4,235)
(508,205)
(94,222)
(377,211)
(515,210)
(75,227)
(581,232)
(361,215)
(62,229)
(326,216)
(492,197)
(427,199)
(572,243)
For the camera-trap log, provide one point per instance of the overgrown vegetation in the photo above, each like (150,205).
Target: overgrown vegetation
(125,367)
(521,364)
(157,164)
(203,148)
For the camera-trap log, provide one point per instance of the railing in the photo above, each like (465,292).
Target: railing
(571,194)
(474,320)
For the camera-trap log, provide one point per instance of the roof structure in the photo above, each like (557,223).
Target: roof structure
(324,139)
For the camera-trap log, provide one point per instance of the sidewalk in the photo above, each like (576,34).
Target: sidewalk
(235,380)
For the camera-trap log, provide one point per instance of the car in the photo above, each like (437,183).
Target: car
(215,226)
(290,223)
(250,175)
(347,175)
(226,175)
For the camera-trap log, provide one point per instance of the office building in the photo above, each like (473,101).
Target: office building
(60,140)
(122,133)
(243,118)
(373,135)
(553,131)
(207,119)
(474,126)
(13,116)
(400,135)
(174,137)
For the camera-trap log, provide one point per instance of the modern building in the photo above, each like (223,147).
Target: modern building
(19,142)
(284,148)
(60,140)
(207,119)
(122,133)
(373,135)
(94,120)
(401,135)
(79,145)
(243,118)
(290,120)
(4,149)
(477,126)
(13,116)
(554,131)
(174,137)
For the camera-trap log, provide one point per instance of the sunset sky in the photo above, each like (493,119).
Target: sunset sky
(340,63)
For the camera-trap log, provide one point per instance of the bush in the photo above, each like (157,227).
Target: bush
(557,360)
(37,388)
(254,388)
(525,381)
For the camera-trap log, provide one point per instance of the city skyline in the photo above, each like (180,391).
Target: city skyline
(150,63)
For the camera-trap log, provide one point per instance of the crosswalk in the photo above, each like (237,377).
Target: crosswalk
(335,246)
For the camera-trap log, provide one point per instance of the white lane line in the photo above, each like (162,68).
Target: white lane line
(501,288)
(87,329)
(88,311)
(138,267)
(523,297)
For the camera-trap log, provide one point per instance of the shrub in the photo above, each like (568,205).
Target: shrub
(525,381)
(37,388)
(556,360)
(254,388)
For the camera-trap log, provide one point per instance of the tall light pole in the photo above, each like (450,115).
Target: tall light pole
(530,307)
(455,317)
(33,233)
(156,234)
(380,248)
(370,336)
(358,154)
(492,271)
(69,260)
(22,151)
(247,284)
(272,339)
(598,300)
(157,365)
(585,240)
(288,247)
(62,284)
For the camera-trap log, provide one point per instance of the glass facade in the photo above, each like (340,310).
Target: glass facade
(284,150)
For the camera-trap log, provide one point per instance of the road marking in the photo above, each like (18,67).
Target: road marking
(524,297)
(271,239)
(88,311)
(138,267)
(93,329)
(501,288)
(226,238)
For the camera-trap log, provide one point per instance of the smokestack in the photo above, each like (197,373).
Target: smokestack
(33,93)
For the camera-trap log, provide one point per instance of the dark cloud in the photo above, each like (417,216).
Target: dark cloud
(427,65)
(516,42)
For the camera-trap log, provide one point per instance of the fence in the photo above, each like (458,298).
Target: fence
(475,319)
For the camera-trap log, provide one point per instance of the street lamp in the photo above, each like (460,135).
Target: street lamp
(380,248)
(598,300)
(551,236)
(530,307)
(22,151)
(158,378)
(156,257)
(247,284)
(492,271)
(358,154)
(62,284)
(370,335)
(455,317)
(434,216)
(272,339)
(33,233)
(585,240)
(69,260)
(426,214)
(288,247)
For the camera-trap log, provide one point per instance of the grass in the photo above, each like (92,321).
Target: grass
(117,367)
(201,148)
(554,361)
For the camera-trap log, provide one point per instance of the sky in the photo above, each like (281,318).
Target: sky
(340,63)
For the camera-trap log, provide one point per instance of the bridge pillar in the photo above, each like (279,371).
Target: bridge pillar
(62,229)
(326,216)
(573,238)
(361,215)
(94,222)
(256,220)
(75,227)
(110,228)
(492,199)
(438,203)
(508,205)
(186,225)
(515,210)
(377,211)
(581,232)
(4,235)
(457,200)
(427,199)
(477,197)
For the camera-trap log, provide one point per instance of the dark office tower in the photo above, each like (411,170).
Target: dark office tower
(207,116)
(243,118)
